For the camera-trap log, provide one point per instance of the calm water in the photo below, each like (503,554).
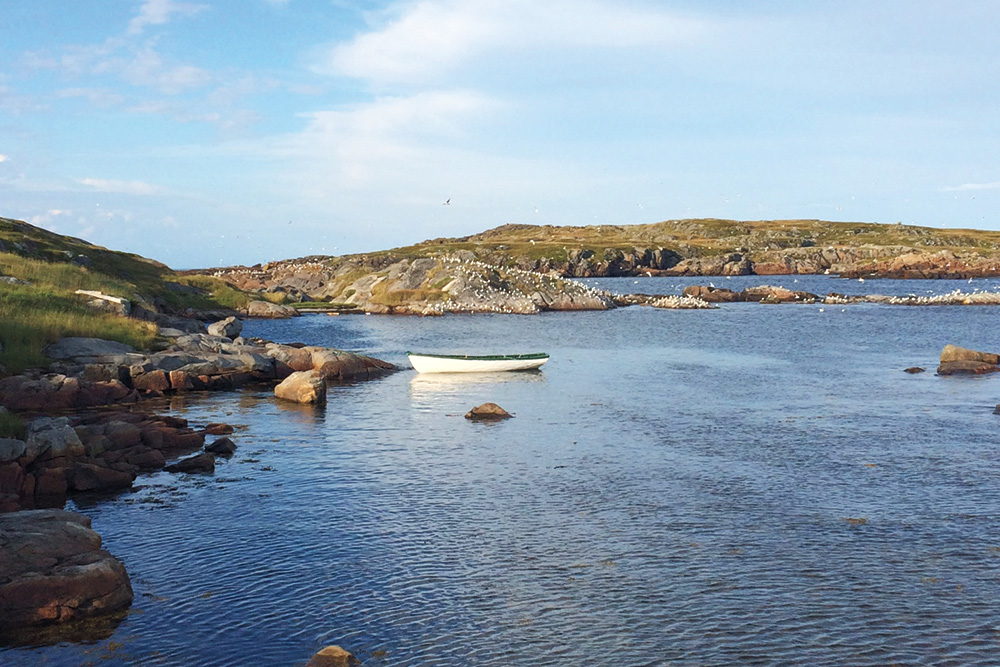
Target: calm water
(757,485)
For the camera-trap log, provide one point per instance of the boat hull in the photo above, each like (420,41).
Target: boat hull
(435,363)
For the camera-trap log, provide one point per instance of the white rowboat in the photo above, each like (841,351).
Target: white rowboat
(467,363)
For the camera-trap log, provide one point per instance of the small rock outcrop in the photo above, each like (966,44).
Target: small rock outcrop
(268,310)
(222,447)
(961,361)
(759,294)
(231,327)
(302,387)
(712,294)
(487,411)
(333,656)
(53,569)
(199,463)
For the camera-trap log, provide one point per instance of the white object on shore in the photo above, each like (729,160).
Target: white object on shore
(465,363)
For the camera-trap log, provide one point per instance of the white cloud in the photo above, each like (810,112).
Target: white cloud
(145,67)
(139,65)
(158,12)
(98,97)
(966,187)
(122,187)
(430,39)
(362,144)
(3,158)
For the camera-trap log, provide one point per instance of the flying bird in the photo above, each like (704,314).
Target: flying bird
(447,203)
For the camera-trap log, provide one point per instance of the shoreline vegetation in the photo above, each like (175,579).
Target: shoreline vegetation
(87,333)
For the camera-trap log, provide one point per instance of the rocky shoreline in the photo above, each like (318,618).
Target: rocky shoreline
(773,294)
(87,431)
(459,283)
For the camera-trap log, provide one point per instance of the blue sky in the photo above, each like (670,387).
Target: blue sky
(216,132)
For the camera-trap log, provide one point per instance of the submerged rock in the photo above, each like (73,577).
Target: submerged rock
(199,463)
(966,368)
(222,447)
(487,411)
(333,656)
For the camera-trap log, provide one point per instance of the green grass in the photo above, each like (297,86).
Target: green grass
(217,293)
(31,318)
(325,305)
(440,284)
(11,425)
(403,296)
(66,275)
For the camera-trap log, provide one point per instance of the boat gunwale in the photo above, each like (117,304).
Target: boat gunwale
(483,357)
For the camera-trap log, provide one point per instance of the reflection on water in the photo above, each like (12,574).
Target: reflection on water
(428,384)
(749,485)
(89,630)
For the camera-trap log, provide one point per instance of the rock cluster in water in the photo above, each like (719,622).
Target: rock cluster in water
(774,294)
(90,372)
(89,452)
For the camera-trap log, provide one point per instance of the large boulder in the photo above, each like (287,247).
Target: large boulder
(288,359)
(229,327)
(49,438)
(11,449)
(107,303)
(961,361)
(77,348)
(92,477)
(302,387)
(337,365)
(52,569)
(268,310)
(955,353)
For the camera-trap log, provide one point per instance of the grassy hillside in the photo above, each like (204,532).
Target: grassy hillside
(705,237)
(52,267)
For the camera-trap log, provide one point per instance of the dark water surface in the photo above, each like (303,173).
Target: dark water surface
(755,485)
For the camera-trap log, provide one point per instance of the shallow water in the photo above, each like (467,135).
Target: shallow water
(754,485)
